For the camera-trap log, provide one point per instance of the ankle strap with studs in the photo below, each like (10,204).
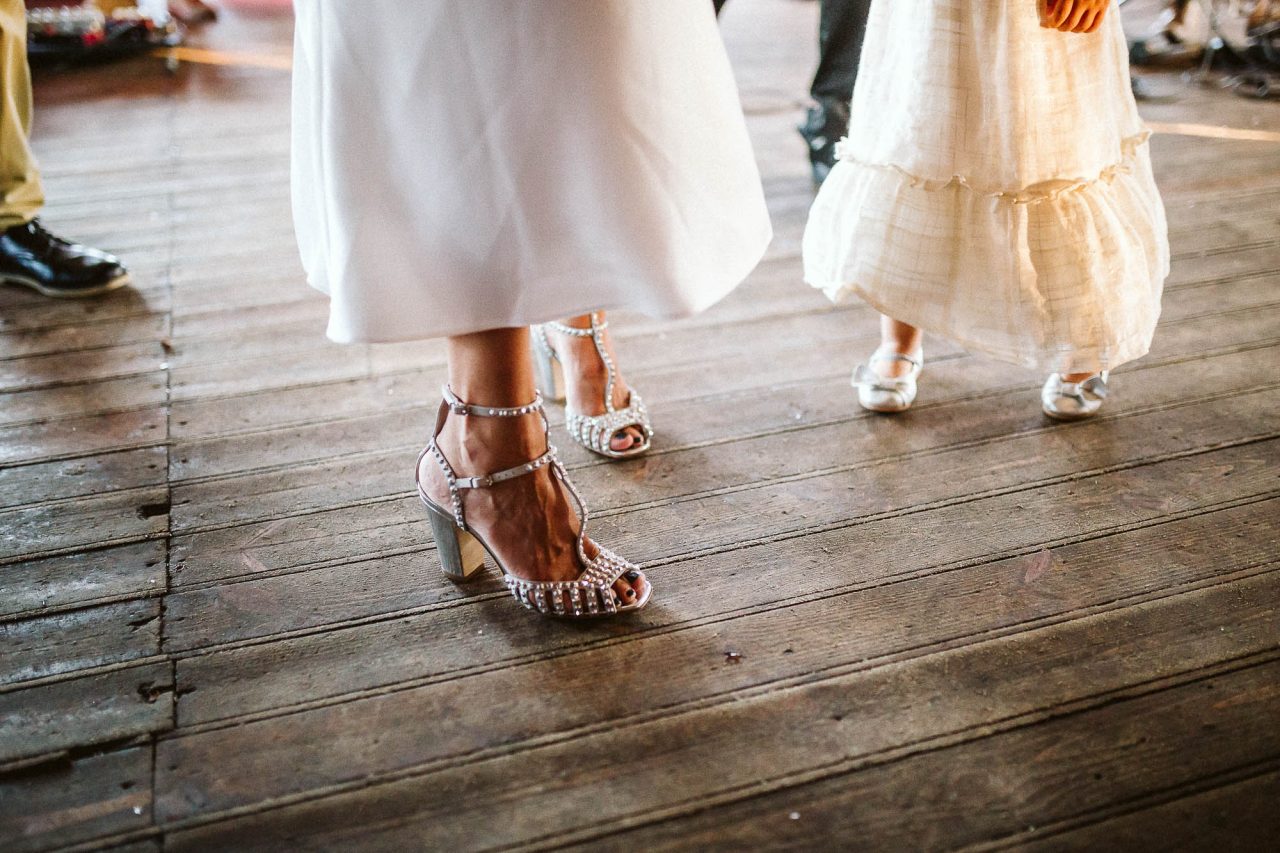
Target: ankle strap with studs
(488,480)
(592,592)
(458,407)
(597,325)
(453,404)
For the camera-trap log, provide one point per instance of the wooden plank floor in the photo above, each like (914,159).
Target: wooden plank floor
(222,624)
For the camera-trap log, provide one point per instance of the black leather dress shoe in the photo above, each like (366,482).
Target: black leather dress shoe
(825,124)
(32,257)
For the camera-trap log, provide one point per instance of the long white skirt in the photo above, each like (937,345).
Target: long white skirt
(461,165)
(996,187)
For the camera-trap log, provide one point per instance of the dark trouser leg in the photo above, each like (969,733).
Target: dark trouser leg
(842,26)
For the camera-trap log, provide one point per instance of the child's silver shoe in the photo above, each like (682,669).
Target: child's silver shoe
(1073,401)
(888,393)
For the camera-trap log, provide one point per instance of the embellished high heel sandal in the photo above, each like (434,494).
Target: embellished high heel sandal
(462,549)
(888,393)
(593,432)
(1073,401)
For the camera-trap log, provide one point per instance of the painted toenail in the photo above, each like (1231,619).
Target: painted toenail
(633,576)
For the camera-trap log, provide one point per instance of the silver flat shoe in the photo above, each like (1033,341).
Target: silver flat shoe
(879,393)
(594,432)
(462,549)
(1073,401)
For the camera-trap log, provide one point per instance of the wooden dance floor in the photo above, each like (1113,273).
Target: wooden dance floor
(223,625)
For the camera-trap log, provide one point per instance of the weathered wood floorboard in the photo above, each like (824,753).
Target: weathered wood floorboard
(83,578)
(389,528)
(430,645)
(74,801)
(222,624)
(117,704)
(809,465)
(1238,815)
(1058,770)
(72,437)
(91,637)
(879,725)
(398,431)
(788,571)
(70,479)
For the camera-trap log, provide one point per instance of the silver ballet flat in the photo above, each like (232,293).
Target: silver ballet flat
(888,393)
(593,432)
(462,549)
(1073,401)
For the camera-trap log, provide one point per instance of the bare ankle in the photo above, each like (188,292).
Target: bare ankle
(484,445)
(897,336)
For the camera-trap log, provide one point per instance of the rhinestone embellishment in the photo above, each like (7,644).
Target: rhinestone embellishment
(591,593)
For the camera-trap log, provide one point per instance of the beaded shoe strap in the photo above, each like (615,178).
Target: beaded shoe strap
(591,592)
(596,333)
(452,404)
(596,325)
(458,407)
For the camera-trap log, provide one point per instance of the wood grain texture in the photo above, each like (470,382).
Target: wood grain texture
(1011,782)
(1238,815)
(871,722)
(222,624)
(72,713)
(74,800)
(85,577)
(431,645)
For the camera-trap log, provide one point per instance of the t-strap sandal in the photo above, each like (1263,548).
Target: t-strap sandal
(594,432)
(462,548)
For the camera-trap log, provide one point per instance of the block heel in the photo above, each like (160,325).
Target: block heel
(461,554)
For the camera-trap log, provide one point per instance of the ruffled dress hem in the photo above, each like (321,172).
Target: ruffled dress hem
(1064,360)
(935,252)
(1044,191)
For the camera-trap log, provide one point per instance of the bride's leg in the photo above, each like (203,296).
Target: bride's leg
(531,521)
(586,377)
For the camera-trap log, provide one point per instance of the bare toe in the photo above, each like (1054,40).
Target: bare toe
(627,594)
(627,438)
(638,583)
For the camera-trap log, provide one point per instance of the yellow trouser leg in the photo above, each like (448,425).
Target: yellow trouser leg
(21,193)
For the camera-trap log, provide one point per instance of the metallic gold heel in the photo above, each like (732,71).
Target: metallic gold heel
(462,549)
(461,554)
(594,432)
